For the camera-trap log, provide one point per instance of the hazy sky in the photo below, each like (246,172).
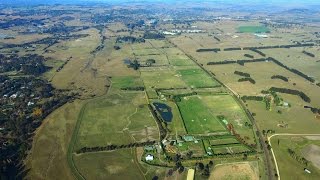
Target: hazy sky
(275,2)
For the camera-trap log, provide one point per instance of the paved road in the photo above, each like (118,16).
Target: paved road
(284,134)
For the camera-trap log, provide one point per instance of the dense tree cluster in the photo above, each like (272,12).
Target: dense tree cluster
(153,35)
(24,103)
(62,29)
(20,22)
(293,92)
(30,64)
(280,77)
(130,39)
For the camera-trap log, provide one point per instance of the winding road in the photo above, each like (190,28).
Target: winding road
(284,134)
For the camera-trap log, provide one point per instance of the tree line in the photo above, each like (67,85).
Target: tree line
(308,53)
(114,147)
(280,77)
(252,81)
(130,39)
(256,48)
(242,74)
(301,94)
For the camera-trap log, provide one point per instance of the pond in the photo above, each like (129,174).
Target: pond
(164,110)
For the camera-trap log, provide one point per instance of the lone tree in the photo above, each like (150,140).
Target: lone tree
(135,65)
(149,62)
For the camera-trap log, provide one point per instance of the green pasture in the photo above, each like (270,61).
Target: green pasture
(253,29)
(197,117)
(196,78)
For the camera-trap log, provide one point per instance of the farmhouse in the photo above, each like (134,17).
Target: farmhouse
(188,138)
(149,157)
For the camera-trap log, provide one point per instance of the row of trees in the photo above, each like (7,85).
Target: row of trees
(252,98)
(300,159)
(293,70)
(255,49)
(293,92)
(259,52)
(280,77)
(137,88)
(242,74)
(232,49)
(308,53)
(248,56)
(241,62)
(114,147)
(252,81)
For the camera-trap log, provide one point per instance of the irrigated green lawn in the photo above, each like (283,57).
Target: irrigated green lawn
(253,29)
(197,78)
(197,117)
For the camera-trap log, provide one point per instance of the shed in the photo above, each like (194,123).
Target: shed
(190,174)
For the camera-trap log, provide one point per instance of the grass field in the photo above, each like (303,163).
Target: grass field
(119,118)
(197,78)
(118,164)
(233,171)
(197,117)
(154,78)
(222,141)
(253,29)
(225,105)
(288,164)
(126,81)
(48,155)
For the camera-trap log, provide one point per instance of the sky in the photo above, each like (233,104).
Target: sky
(274,2)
